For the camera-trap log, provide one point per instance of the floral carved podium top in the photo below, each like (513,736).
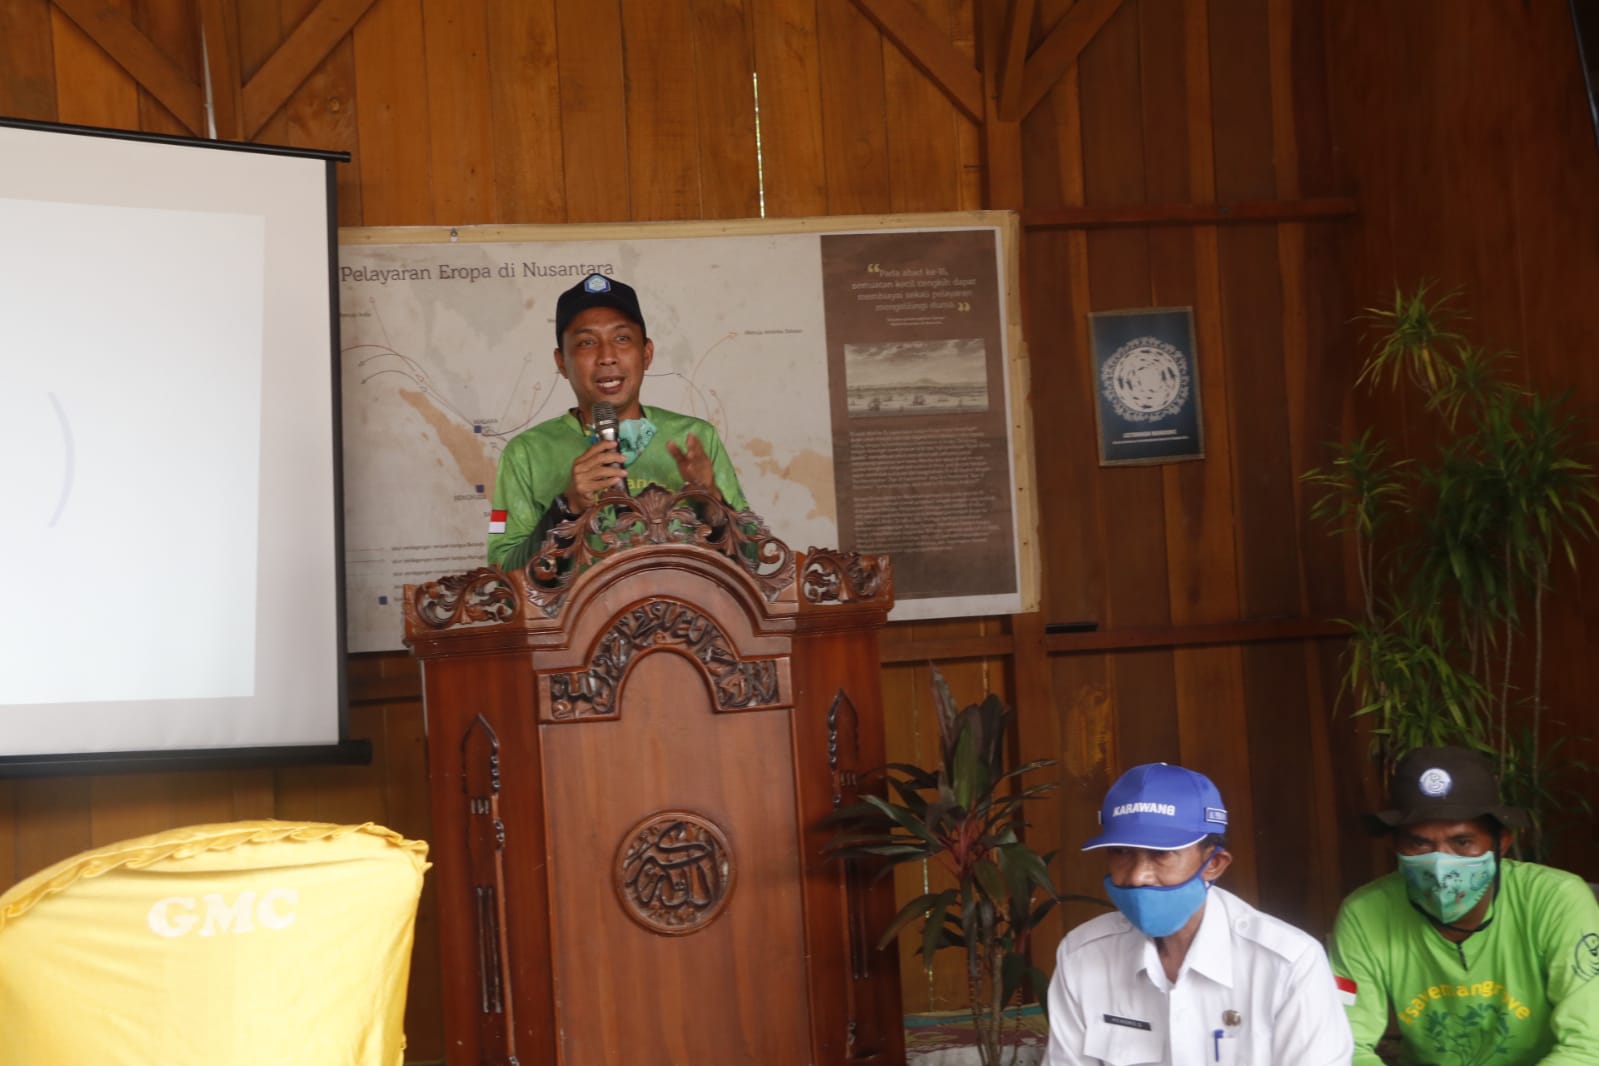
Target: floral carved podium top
(618,523)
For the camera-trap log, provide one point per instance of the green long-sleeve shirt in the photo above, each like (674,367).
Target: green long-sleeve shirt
(1524,990)
(537,464)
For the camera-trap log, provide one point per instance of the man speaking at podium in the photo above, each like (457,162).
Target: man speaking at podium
(552,472)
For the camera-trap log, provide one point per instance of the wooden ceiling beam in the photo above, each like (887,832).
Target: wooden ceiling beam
(1055,56)
(132,50)
(930,50)
(297,57)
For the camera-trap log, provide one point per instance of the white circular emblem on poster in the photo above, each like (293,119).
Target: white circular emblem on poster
(1145,380)
(1435,782)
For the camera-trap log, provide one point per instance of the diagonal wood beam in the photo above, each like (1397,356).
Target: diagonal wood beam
(1060,50)
(1013,58)
(128,45)
(930,51)
(308,45)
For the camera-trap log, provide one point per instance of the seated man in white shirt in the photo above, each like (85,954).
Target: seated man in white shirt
(1185,972)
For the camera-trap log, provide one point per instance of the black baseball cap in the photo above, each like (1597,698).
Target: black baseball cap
(596,290)
(1449,784)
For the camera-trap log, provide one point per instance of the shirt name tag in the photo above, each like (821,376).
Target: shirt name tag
(1131,1023)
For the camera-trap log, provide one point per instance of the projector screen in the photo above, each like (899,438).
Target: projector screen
(169,451)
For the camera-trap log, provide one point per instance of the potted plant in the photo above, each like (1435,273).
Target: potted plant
(965,816)
(1455,551)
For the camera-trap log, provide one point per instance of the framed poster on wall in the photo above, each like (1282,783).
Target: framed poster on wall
(1146,385)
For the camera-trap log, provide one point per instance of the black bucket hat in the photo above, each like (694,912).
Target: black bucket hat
(1443,785)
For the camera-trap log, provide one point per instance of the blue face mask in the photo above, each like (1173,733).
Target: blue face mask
(1161,910)
(1447,886)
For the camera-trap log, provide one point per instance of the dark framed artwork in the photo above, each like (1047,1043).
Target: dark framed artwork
(1146,386)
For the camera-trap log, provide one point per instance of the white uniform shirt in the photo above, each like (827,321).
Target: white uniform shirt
(1253,991)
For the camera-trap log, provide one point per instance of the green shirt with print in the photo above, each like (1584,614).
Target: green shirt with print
(1524,989)
(537,464)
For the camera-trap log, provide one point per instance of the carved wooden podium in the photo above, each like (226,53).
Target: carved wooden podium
(629,745)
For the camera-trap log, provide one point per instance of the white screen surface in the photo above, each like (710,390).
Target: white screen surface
(167,448)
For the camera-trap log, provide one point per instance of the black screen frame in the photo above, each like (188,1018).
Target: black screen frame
(346,751)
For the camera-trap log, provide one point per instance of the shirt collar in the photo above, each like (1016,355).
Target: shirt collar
(1211,952)
(574,415)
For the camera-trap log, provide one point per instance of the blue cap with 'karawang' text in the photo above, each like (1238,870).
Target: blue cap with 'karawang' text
(1161,807)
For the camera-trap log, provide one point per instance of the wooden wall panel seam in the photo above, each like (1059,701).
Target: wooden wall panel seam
(460,110)
(1053,58)
(930,51)
(1239,213)
(307,45)
(27,60)
(99,92)
(133,50)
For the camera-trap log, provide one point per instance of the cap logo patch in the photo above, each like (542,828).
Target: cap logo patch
(1216,814)
(1435,782)
(596,283)
(1168,809)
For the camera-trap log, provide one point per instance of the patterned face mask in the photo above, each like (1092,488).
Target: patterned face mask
(632,436)
(1446,886)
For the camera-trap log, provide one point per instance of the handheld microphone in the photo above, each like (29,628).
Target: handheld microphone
(605,429)
(604,420)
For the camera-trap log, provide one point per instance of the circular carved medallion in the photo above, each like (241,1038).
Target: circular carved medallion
(674,872)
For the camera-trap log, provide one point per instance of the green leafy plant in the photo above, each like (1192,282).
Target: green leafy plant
(1455,551)
(966,816)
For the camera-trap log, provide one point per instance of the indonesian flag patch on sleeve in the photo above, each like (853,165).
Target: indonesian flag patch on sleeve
(496,521)
(1346,990)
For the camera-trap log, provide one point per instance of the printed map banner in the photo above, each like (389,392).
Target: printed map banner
(806,342)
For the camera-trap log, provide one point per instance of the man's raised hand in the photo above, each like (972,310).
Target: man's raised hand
(693,464)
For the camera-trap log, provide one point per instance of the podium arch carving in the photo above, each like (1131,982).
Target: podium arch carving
(737,684)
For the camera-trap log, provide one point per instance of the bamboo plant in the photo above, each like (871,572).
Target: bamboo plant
(1455,551)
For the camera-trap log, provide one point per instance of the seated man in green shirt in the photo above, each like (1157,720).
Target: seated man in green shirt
(553,471)
(1482,959)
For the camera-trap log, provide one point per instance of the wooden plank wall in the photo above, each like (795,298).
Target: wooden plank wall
(1468,128)
(1198,576)
(1202,102)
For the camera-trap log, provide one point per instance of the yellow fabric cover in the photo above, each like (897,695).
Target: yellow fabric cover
(215,945)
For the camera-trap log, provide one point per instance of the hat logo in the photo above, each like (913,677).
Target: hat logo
(1435,782)
(1168,809)
(596,283)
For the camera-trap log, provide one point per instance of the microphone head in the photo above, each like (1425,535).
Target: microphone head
(604,420)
